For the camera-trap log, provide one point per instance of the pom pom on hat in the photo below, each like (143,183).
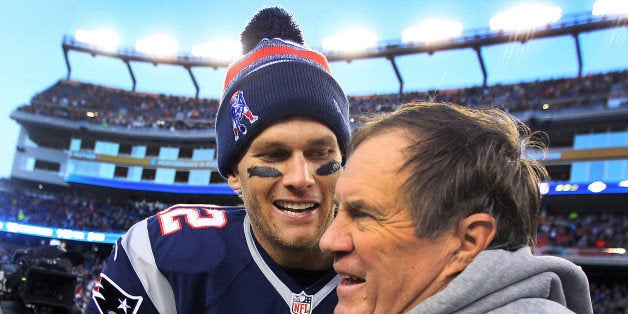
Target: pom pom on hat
(277,78)
(270,23)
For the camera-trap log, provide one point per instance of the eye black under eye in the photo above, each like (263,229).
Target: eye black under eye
(328,168)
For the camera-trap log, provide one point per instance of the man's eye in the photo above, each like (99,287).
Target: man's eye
(358,214)
(273,156)
(320,154)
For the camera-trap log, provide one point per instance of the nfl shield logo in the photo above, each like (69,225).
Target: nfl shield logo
(301,303)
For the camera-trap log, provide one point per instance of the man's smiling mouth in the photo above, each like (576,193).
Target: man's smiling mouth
(295,207)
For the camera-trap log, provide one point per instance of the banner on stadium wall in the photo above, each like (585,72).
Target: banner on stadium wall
(59,233)
(584,188)
(209,189)
(572,155)
(145,162)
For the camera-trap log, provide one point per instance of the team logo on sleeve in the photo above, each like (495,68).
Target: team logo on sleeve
(301,303)
(240,110)
(110,298)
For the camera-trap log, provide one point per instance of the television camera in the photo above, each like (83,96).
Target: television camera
(39,281)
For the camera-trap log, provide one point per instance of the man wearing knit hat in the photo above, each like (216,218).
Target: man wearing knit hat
(282,130)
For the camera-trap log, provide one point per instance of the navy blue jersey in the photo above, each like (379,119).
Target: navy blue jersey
(201,259)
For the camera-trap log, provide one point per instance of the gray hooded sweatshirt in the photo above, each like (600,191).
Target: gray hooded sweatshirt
(500,281)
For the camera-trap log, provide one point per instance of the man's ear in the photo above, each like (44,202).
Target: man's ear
(473,235)
(234,182)
(476,232)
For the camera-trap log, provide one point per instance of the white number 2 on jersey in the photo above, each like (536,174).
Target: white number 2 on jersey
(170,219)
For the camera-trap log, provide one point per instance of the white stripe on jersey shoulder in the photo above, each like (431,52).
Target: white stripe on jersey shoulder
(115,252)
(137,245)
(280,286)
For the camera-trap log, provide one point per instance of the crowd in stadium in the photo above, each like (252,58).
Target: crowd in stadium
(73,211)
(587,91)
(115,107)
(600,230)
(609,298)
(606,297)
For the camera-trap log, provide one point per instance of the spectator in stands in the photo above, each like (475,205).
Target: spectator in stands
(282,128)
(444,219)
(73,100)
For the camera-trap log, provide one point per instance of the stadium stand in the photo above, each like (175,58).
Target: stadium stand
(92,160)
(587,230)
(107,106)
(114,107)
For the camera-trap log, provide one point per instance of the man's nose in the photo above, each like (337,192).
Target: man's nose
(336,238)
(299,174)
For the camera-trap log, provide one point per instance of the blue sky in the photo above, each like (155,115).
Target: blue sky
(32,59)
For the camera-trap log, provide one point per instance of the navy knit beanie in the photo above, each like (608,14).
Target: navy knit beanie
(279,78)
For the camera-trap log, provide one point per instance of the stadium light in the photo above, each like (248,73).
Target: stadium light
(617,250)
(610,7)
(222,49)
(157,45)
(525,17)
(566,187)
(350,40)
(596,187)
(432,31)
(103,39)
(544,188)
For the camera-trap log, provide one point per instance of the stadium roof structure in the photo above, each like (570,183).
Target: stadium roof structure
(476,39)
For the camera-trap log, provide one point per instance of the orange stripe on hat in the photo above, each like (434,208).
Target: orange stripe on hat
(271,51)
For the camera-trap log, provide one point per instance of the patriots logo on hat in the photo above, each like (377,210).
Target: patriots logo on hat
(110,298)
(301,303)
(239,110)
